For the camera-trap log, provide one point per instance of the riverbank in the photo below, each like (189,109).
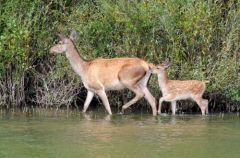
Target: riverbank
(217,104)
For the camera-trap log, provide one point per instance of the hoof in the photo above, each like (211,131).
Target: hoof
(155,114)
(121,113)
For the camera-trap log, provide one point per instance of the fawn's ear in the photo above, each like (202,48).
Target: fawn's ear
(166,63)
(159,66)
(73,35)
(61,37)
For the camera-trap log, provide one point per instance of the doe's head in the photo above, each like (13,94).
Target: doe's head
(64,43)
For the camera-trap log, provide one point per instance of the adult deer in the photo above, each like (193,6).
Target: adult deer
(101,75)
(173,90)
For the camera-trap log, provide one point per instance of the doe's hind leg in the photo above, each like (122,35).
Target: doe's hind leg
(138,95)
(151,100)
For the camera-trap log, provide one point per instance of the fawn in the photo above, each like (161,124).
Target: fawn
(173,90)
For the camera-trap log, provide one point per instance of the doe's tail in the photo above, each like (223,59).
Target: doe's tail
(145,79)
(151,66)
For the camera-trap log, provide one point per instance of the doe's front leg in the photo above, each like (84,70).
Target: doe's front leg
(103,97)
(88,100)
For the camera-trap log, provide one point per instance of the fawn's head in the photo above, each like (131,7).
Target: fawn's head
(64,43)
(160,69)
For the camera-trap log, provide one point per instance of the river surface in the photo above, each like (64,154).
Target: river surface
(46,134)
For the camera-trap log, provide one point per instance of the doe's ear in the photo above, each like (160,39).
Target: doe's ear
(73,35)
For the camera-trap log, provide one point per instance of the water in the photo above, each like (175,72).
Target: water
(45,134)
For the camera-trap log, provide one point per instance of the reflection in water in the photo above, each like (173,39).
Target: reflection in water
(73,134)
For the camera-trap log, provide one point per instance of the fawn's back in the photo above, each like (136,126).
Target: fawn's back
(188,86)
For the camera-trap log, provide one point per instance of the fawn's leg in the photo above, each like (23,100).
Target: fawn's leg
(205,102)
(164,98)
(103,96)
(88,100)
(160,105)
(173,103)
(199,101)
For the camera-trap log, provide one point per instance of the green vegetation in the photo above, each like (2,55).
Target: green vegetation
(201,38)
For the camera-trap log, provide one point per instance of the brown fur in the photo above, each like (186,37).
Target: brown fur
(100,75)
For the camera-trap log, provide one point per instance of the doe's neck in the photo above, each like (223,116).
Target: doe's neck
(77,62)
